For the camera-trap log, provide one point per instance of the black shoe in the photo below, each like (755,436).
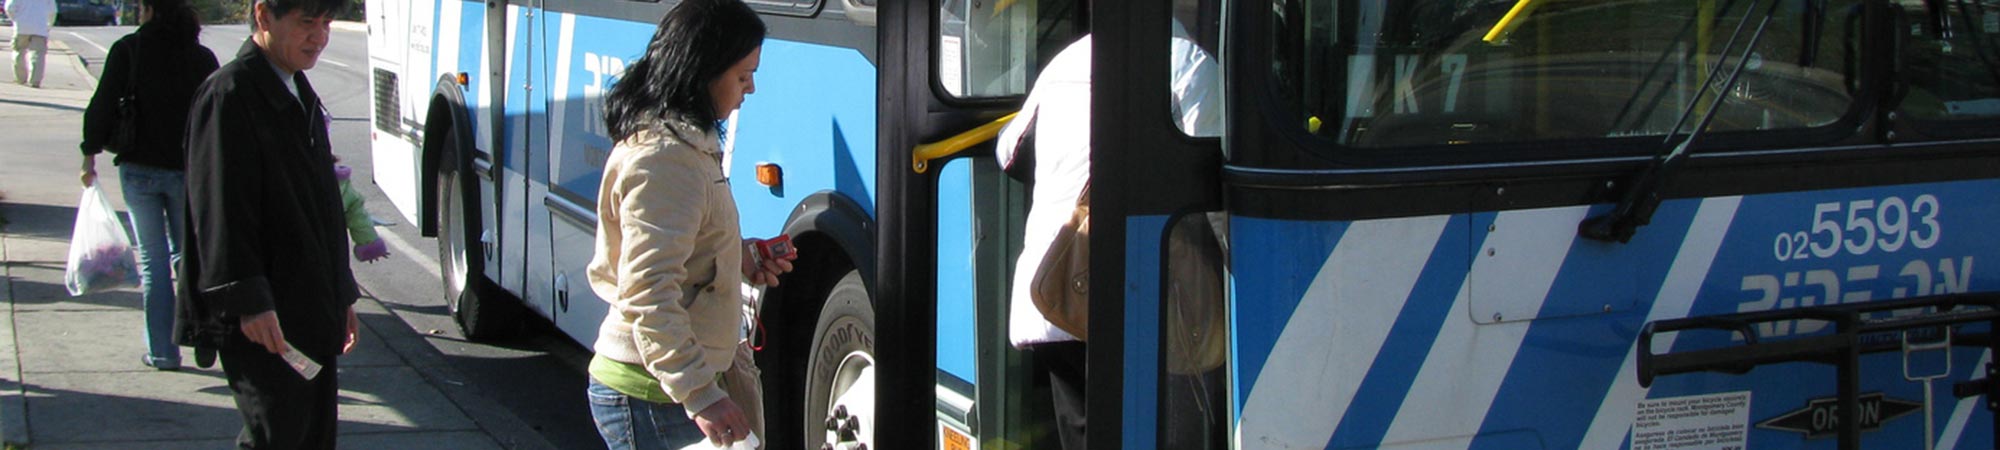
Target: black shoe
(204,357)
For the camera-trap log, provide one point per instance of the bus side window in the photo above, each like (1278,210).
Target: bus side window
(1950,59)
(1195,333)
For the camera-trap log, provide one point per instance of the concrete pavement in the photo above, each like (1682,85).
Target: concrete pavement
(70,376)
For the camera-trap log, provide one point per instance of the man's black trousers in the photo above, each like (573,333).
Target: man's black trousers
(282,410)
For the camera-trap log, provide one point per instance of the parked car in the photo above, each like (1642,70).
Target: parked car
(86,12)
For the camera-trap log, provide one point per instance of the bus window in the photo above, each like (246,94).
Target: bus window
(1380,74)
(1194,334)
(1951,59)
(1193,72)
(994,48)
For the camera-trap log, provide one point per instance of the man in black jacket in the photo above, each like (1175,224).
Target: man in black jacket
(267,254)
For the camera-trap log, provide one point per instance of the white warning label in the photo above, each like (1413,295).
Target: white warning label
(1713,421)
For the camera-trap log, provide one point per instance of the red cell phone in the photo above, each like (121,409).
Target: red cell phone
(777,247)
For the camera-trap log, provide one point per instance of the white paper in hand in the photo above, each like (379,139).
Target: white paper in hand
(749,442)
(305,366)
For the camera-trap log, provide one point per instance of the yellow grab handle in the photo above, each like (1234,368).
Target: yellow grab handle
(923,155)
(1509,22)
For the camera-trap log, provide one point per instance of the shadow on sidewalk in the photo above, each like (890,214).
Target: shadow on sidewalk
(39,222)
(190,405)
(63,410)
(46,105)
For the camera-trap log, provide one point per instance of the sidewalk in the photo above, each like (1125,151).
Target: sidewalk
(70,376)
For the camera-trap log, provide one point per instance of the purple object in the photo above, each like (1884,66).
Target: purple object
(372,251)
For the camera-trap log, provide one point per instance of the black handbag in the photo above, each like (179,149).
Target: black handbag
(127,130)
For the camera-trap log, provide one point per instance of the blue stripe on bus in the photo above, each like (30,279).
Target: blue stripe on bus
(1142,330)
(436,37)
(1395,366)
(1269,286)
(471,36)
(1583,331)
(1574,348)
(1750,252)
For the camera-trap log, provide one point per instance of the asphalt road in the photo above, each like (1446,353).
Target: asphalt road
(539,376)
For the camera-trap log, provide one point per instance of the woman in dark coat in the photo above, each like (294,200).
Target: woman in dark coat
(152,167)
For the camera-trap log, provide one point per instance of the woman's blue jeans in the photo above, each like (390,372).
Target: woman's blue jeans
(628,423)
(156,199)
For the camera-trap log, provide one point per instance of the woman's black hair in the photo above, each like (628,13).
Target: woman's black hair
(173,19)
(696,42)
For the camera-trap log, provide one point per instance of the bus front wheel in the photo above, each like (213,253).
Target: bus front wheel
(839,405)
(471,299)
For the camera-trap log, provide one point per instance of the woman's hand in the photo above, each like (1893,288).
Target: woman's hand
(723,422)
(767,273)
(89,176)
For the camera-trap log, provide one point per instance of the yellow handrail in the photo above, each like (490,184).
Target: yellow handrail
(1509,22)
(923,155)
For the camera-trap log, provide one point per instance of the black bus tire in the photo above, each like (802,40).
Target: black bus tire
(480,308)
(846,326)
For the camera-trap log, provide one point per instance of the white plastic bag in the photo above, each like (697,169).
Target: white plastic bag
(100,254)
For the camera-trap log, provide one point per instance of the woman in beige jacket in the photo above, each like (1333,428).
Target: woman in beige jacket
(670,258)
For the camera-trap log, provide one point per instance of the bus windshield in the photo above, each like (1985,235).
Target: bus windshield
(1385,74)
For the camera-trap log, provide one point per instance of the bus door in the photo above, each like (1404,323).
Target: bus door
(1159,306)
(951,220)
(521,173)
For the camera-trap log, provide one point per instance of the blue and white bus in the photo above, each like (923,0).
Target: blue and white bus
(1643,224)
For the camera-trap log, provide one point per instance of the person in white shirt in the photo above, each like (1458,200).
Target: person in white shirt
(1058,111)
(32,19)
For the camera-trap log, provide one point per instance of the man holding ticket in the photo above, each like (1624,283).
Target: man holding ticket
(268,288)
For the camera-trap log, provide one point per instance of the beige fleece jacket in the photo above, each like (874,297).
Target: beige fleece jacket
(668,260)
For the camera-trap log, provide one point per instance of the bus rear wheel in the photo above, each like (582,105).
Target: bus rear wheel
(472,300)
(839,401)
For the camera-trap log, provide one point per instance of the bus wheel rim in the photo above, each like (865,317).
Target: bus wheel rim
(853,391)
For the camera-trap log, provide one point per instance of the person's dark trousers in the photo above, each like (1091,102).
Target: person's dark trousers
(1065,363)
(281,410)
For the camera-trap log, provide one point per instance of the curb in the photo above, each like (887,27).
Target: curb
(350,26)
(13,389)
(81,66)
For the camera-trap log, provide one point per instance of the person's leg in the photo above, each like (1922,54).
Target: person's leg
(612,411)
(1192,411)
(38,49)
(20,49)
(628,423)
(1065,363)
(147,200)
(671,428)
(322,417)
(281,410)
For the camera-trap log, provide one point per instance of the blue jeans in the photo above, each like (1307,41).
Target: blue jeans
(628,423)
(157,201)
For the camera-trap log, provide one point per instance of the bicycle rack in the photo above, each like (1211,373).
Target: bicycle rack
(1842,348)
